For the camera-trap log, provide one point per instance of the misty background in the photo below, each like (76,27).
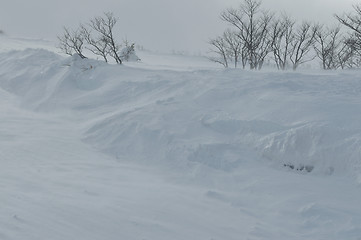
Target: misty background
(159,25)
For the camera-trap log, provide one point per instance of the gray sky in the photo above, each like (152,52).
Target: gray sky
(163,25)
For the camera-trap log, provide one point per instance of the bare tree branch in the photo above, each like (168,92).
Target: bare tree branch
(72,42)
(235,47)
(327,46)
(98,46)
(282,35)
(104,26)
(220,50)
(302,44)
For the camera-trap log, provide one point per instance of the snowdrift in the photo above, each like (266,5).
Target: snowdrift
(302,122)
(157,150)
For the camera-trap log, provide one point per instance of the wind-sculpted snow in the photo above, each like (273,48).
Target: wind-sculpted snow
(207,117)
(92,150)
(325,148)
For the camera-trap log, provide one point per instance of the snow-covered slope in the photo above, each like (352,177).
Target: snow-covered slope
(149,151)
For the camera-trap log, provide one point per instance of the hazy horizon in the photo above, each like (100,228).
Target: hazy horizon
(162,25)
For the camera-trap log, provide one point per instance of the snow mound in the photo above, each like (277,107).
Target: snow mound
(8,43)
(91,151)
(217,119)
(42,78)
(320,147)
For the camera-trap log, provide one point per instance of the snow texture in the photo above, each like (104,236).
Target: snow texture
(174,148)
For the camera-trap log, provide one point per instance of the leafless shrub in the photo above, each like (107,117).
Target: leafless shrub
(72,42)
(128,54)
(104,26)
(96,44)
(97,36)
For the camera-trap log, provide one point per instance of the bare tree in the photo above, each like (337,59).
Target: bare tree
(235,47)
(328,46)
(104,26)
(353,22)
(219,48)
(72,42)
(282,36)
(252,25)
(263,44)
(354,51)
(301,45)
(258,32)
(97,45)
(346,54)
(96,36)
(352,46)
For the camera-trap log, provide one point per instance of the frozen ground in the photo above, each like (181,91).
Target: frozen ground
(174,148)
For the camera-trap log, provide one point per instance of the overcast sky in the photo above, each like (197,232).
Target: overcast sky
(163,25)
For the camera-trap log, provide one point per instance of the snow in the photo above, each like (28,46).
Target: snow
(174,148)
(128,54)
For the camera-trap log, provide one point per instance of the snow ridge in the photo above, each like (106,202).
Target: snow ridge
(292,118)
(92,151)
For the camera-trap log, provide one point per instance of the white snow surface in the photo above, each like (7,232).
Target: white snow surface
(174,148)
